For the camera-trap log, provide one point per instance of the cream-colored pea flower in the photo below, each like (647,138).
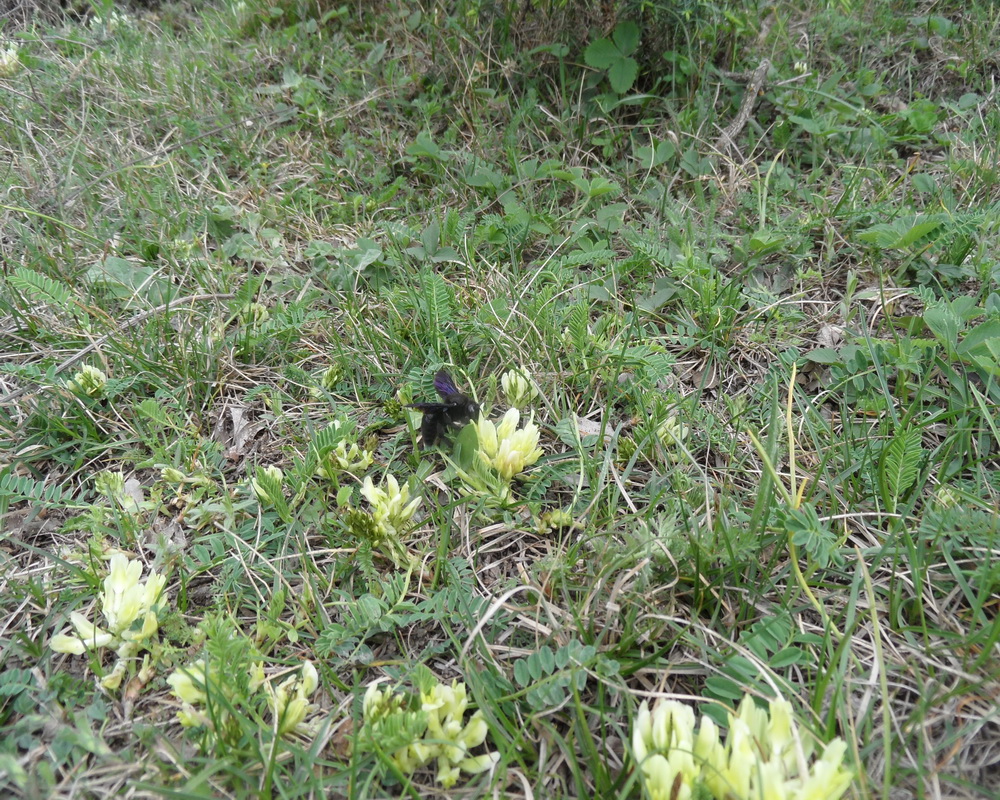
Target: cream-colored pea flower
(253,314)
(127,494)
(346,456)
(445,707)
(89,637)
(172,475)
(392,508)
(126,599)
(506,448)
(672,432)
(352,458)
(289,701)
(188,683)
(129,608)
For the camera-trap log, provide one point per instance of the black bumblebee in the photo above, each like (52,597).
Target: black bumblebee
(454,410)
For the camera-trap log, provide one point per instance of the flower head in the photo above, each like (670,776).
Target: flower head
(326,381)
(254,314)
(129,606)
(267,485)
(672,432)
(555,519)
(351,458)
(345,456)
(188,683)
(392,508)
(112,22)
(760,757)
(110,483)
(126,494)
(442,733)
(89,381)
(10,62)
(172,475)
(289,701)
(128,603)
(378,705)
(129,609)
(518,387)
(506,448)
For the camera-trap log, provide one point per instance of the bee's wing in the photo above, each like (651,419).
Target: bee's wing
(429,406)
(444,384)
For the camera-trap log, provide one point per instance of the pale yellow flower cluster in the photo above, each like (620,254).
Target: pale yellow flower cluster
(254,314)
(346,456)
(89,381)
(176,477)
(351,458)
(762,758)
(110,483)
(10,61)
(130,610)
(506,448)
(189,684)
(447,737)
(518,387)
(672,432)
(392,508)
(327,379)
(125,494)
(261,489)
(112,21)
(288,702)
(554,520)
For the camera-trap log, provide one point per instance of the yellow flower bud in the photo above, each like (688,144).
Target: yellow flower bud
(113,679)
(172,475)
(262,488)
(518,387)
(188,683)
